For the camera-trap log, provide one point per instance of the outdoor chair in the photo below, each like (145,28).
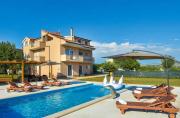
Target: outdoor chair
(162,104)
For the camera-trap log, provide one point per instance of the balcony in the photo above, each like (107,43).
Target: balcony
(42,59)
(38,58)
(38,45)
(72,58)
(78,45)
(88,59)
(76,58)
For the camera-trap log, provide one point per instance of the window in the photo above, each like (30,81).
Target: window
(86,54)
(26,56)
(47,38)
(89,67)
(69,52)
(80,53)
(32,44)
(79,41)
(25,43)
(86,43)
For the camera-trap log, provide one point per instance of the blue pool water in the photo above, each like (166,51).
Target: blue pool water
(46,103)
(76,82)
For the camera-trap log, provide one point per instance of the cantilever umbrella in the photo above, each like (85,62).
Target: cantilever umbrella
(138,54)
(141,55)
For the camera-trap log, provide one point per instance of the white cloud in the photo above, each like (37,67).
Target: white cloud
(113,48)
(104,49)
(176,39)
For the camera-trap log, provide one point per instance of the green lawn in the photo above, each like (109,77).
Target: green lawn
(15,77)
(135,80)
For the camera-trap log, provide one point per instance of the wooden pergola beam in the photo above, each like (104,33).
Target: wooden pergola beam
(22,65)
(22,73)
(20,62)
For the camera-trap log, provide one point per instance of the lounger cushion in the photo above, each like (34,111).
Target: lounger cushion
(139,88)
(19,90)
(154,87)
(122,101)
(136,91)
(28,87)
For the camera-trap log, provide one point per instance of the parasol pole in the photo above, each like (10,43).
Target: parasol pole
(167,71)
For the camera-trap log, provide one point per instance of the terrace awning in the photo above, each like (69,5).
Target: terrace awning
(22,62)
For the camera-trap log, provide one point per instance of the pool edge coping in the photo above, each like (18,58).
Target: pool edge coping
(48,90)
(78,107)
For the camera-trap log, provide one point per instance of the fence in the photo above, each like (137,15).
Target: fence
(159,74)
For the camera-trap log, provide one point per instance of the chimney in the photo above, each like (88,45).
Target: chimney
(71,32)
(43,32)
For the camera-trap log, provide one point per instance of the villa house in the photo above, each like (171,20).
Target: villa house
(66,56)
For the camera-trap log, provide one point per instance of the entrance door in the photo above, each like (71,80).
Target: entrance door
(69,71)
(80,70)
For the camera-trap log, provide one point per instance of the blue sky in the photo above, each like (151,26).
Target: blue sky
(114,26)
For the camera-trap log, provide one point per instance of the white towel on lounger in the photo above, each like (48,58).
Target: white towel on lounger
(136,91)
(139,88)
(122,101)
(154,87)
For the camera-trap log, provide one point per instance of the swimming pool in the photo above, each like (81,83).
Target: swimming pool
(46,103)
(77,82)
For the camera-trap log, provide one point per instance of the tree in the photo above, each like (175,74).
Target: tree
(19,54)
(168,62)
(97,67)
(127,64)
(150,68)
(8,52)
(175,68)
(109,67)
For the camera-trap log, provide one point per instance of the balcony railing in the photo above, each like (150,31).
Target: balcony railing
(38,45)
(88,58)
(78,45)
(72,58)
(37,58)
(76,58)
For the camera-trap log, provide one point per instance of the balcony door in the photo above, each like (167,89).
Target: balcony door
(80,70)
(70,53)
(69,71)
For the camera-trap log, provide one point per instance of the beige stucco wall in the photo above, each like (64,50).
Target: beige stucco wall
(57,50)
(86,70)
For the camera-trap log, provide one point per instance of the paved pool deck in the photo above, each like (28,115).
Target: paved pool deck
(4,94)
(107,108)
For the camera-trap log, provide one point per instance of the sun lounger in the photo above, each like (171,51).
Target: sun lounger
(60,82)
(153,92)
(162,104)
(47,83)
(153,87)
(26,83)
(14,87)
